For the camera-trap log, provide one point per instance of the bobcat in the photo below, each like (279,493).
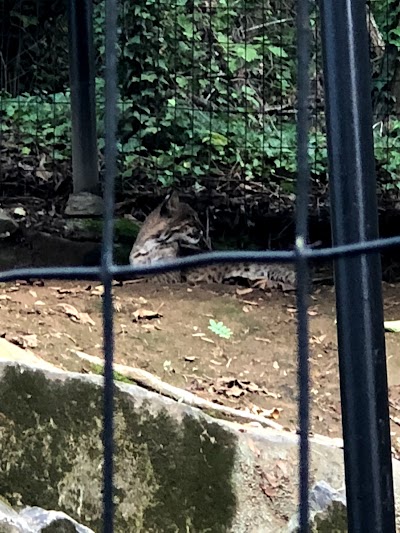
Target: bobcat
(173,228)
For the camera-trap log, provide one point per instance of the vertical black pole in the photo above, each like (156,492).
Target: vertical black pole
(362,357)
(302,272)
(83,103)
(107,261)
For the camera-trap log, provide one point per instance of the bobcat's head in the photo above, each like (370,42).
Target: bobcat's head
(171,227)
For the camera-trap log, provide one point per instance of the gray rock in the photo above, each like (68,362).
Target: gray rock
(39,520)
(8,225)
(10,521)
(176,468)
(323,495)
(328,510)
(84,204)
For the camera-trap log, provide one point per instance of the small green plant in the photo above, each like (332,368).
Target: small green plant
(219,328)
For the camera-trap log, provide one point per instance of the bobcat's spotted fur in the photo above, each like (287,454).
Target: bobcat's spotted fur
(173,227)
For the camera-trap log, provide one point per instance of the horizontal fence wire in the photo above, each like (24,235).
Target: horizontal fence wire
(204,259)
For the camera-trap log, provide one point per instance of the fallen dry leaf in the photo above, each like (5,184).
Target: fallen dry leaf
(97,291)
(317,340)
(263,284)
(20,211)
(44,175)
(70,310)
(14,288)
(240,387)
(25,341)
(75,315)
(70,290)
(242,292)
(145,314)
(206,339)
(167,366)
(273,413)
(30,340)
(85,319)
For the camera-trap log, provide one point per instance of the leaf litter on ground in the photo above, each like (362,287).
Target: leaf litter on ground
(75,315)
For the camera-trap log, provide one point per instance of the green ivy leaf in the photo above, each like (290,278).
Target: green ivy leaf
(216,139)
(248,53)
(149,76)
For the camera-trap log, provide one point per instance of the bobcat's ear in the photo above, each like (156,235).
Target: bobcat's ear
(170,204)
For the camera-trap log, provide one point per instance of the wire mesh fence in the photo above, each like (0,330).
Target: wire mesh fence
(208,100)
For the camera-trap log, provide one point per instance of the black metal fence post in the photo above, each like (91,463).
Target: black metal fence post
(83,100)
(110,123)
(362,357)
(302,270)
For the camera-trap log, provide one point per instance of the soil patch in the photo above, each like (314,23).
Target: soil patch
(165,330)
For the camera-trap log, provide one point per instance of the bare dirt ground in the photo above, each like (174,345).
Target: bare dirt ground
(165,330)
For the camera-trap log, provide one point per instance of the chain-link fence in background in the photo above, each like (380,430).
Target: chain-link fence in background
(207,101)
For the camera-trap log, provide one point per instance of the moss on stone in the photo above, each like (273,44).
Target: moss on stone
(99,371)
(124,230)
(170,474)
(332,520)
(60,526)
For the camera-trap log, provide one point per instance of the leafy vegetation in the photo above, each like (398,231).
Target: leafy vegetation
(207,91)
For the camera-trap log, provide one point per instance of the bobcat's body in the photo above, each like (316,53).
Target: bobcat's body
(173,227)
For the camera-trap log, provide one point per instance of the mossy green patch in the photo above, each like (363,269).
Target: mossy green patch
(332,520)
(171,473)
(99,370)
(60,526)
(124,230)
(192,463)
